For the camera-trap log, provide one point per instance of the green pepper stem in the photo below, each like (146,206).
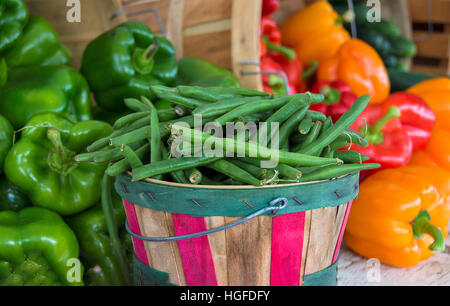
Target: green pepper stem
(308,72)
(374,134)
(422,225)
(288,53)
(60,159)
(332,95)
(143,59)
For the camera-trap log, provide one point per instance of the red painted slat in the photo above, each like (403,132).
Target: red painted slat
(133,222)
(287,247)
(196,256)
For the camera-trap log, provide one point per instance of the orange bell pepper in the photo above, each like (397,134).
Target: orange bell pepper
(315,32)
(401,215)
(436,92)
(360,66)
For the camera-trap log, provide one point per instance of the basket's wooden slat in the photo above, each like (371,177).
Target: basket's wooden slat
(249,252)
(218,244)
(338,223)
(440,10)
(215,47)
(175,25)
(195,12)
(245,41)
(437,45)
(320,239)
(159,224)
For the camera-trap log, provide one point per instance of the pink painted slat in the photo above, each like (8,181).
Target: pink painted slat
(341,233)
(196,256)
(138,245)
(287,248)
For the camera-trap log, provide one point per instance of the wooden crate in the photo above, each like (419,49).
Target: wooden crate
(95,19)
(225,32)
(433,49)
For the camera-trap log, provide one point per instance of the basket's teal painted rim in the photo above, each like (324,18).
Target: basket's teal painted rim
(235,201)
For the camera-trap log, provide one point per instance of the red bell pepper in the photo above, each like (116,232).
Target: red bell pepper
(270,30)
(338,98)
(274,83)
(389,144)
(417,117)
(269,6)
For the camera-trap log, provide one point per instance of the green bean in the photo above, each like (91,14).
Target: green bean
(252,169)
(296,139)
(121,122)
(234,172)
(355,138)
(123,165)
(305,125)
(158,89)
(344,122)
(213,94)
(113,154)
(290,125)
(230,145)
(351,156)
(335,171)
(194,175)
(133,159)
(287,171)
(339,143)
(136,105)
(223,106)
(177,176)
(207,181)
(250,108)
(316,116)
(128,138)
(170,165)
(315,130)
(155,138)
(179,100)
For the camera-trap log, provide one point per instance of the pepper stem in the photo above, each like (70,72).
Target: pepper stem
(288,53)
(143,59)
(374,134)
(348,16)
(422,225)
(308,72)
(332,95)
(60,159)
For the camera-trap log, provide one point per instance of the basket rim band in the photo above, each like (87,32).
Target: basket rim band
(236,202)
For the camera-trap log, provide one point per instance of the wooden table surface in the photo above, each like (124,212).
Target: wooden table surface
(354,270)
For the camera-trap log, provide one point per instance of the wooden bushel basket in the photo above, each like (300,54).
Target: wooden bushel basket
(294,241)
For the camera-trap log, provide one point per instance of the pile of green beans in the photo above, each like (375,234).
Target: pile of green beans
(311,146)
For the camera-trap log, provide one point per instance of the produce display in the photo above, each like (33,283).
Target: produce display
(329,107)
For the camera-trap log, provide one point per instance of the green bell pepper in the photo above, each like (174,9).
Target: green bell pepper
(13,18)
(102,266)
(6,139)
(32,90)
(124,62)
(193,71)
(12,197)
(42,163)
(39,45)
(37,248)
